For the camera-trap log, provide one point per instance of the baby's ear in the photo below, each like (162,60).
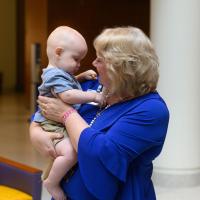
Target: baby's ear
(59,51)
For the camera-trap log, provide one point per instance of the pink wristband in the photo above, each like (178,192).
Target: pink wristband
(67,114)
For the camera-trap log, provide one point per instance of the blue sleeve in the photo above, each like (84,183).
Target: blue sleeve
(90,84)
(104,158)
(88,111)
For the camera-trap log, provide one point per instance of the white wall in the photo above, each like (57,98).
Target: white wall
(8,43)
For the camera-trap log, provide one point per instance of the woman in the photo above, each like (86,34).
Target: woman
(115,151)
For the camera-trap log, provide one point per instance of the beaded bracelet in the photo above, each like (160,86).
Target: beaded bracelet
(67,114)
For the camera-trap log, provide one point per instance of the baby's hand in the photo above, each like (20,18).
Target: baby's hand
(87,75)
(100,99)
(90,75)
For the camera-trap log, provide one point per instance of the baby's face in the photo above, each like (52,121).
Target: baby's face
(70,59)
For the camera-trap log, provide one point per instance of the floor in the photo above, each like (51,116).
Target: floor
(15,144)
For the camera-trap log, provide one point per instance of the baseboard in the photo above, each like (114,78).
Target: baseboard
(176,178)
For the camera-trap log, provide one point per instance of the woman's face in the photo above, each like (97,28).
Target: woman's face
(101,67)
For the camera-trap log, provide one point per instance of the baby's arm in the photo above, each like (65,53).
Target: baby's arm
(75,96)
(87,75)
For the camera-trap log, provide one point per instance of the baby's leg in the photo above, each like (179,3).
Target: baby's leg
(64,162)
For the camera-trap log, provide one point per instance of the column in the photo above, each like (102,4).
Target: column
(175,32)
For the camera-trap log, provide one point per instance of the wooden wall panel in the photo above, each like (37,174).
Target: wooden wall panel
(91,16)
(8,45)
(20,52)
(35,31)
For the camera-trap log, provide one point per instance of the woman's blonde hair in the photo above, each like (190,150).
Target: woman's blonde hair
(131,61)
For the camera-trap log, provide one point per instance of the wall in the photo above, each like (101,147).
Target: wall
(35,32)
(91,16)
(8,43)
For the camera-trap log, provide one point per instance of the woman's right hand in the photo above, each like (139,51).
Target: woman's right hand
(43,141)
(52,108)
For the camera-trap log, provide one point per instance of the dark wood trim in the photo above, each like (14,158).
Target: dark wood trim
(20,35)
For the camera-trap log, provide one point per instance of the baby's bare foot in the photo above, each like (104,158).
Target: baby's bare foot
(54,190)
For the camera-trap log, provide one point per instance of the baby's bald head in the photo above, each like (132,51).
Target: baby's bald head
(65,38)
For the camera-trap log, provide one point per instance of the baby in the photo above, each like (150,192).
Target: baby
(65,49)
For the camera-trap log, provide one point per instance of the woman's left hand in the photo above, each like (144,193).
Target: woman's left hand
(43,141)
(52,108)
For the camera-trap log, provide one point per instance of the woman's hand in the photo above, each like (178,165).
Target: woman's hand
(43,141)
(52,108)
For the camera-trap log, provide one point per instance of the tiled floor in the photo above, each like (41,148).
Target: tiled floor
(15,144)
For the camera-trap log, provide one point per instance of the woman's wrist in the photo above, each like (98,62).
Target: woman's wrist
(66,114)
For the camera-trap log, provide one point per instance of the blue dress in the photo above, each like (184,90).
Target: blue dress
(115,154)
